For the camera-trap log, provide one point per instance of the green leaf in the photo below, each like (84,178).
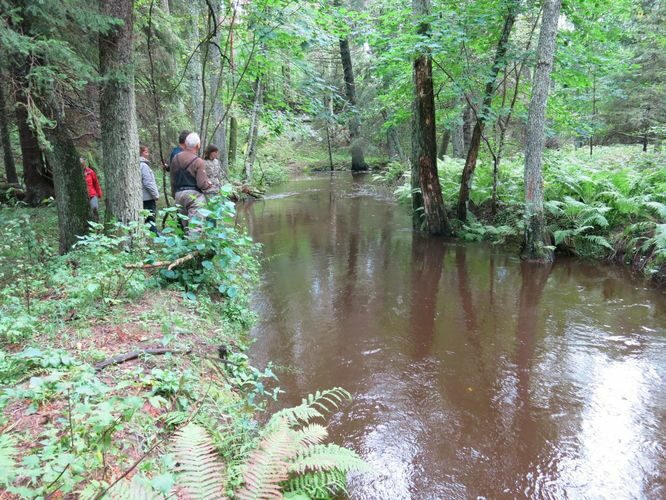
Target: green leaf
(163,483)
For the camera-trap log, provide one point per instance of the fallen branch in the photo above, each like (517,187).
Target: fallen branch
(222,353)
(122,358)
(165,263)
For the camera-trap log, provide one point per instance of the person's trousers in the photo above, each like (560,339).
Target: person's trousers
(151,206)
(190,202)
(94,206)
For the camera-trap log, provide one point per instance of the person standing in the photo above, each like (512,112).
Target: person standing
(181,146)
(94,189)
(149,186)
(214,169)
(189,179)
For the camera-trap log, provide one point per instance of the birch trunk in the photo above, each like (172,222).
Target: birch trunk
(536,240)
(475,141)
(253,134)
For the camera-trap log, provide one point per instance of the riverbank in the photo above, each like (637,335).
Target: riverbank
(609,206)
(126,357)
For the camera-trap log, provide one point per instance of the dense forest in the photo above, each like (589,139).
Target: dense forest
(536,125)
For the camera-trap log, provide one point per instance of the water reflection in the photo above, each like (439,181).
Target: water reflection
(473,374)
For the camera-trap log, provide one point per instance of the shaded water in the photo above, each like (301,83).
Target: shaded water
(473,374)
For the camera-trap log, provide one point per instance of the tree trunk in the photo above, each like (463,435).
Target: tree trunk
(217,113)
(219,136)
(252,136)
(458,141)
(358,159)
(444,145)
(233,140)
(120,139)
(70,186)
(536,239)
(424,139)
(330,153)
(195,69)
(468,126)
(395,151)
(475,141)
(10,166)
(594,109)
(493,199)
(645,142)
(36,177)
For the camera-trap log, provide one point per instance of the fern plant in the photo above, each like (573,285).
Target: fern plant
(292,459)
(573,223)
(8,454)
(200,471)
(134,489)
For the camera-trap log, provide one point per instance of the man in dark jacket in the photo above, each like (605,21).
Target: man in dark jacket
(189,179)
(181,146)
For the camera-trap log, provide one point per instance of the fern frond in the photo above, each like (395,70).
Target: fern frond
(598,240)
(311,435)
(201,472)
(175,418)
(562,235)
(326,401)
(580,230)
(659,208)
(327,457)
(553,206)
(132,490)
(594,217)
(268,466)
(318,485)
(8,453)
(639,227)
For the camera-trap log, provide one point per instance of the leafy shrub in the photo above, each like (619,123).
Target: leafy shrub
(214,257)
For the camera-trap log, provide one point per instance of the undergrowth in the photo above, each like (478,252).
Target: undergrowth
(181,416)
(611,205)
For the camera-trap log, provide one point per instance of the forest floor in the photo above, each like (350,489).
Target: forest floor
(68,425)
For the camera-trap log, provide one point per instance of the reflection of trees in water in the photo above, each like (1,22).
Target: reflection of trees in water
(427,262)
(528,432)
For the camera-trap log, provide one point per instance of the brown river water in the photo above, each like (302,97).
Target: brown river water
(473,375)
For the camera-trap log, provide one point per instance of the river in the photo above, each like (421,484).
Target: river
(473,374)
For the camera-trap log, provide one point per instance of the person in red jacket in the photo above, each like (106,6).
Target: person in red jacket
(94,189)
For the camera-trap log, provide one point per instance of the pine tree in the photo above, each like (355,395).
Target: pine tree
(120,139)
